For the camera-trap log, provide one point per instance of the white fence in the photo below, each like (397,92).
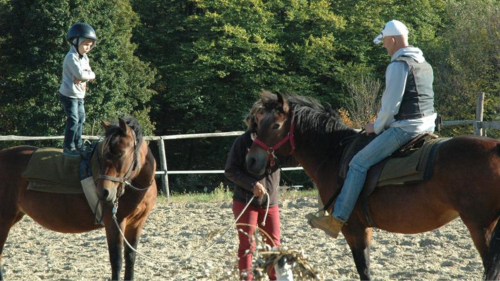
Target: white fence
(163,172)
(478,123)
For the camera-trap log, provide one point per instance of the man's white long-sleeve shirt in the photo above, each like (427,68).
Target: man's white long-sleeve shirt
(395,81)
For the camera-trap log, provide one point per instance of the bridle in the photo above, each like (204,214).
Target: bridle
(125,180)
(270,149)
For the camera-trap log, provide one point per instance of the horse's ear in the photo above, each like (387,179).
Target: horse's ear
(283,102)
(123,125)
(105,124)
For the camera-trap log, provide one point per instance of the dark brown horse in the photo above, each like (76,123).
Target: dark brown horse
(466,181)
(126,181)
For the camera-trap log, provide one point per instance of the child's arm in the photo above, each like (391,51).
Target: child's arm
(80,73)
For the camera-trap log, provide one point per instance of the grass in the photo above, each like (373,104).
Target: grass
(222,193)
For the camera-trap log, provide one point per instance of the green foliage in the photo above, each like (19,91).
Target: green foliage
(217,55)
(220,194)
(32,50)
(33,34)
(196,66)
(223,194)
(466,59)
(214,57)
(363,93)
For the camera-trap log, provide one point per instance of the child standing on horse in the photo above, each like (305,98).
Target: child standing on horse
(76,74)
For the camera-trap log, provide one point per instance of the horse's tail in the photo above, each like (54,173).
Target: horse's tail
(492,261)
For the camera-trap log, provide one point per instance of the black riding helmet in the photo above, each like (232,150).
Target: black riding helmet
(79,30)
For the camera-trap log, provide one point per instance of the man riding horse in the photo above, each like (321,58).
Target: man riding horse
(407,111)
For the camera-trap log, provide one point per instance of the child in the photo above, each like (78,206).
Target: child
(76,73)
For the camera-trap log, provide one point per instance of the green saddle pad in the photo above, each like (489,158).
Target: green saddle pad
(409,169)
(50,171)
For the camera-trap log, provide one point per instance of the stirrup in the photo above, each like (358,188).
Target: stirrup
(320,213)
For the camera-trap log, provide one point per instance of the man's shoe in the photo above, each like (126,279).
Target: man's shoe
(310,216)
(330,225)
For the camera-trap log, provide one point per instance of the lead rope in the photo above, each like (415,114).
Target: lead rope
(230,226)
(115,210)
(267,211)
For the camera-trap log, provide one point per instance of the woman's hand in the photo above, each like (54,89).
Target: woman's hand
(259,189)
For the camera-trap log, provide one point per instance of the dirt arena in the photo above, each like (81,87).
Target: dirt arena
(176,238)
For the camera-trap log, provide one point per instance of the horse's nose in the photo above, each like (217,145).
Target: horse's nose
(105,194)
(250,163)
(253,165)
(108,195)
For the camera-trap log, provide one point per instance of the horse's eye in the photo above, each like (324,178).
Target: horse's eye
(108,155)
(276,126)
(114,154)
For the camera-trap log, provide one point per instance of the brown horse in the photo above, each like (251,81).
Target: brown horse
(466,181)
(125,186)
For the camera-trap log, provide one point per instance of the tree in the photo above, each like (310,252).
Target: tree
(466,59)
(32,51)
(214,56)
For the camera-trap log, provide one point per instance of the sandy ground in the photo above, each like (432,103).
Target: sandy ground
(175,241)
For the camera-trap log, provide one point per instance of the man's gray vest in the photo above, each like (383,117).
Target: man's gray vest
(418,98)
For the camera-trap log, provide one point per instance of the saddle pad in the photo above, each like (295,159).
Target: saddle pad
(50,171)
(412,168)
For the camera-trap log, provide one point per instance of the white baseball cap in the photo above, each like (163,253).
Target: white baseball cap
(391,28)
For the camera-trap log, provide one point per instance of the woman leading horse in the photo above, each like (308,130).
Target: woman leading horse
(466,181)
(125,186)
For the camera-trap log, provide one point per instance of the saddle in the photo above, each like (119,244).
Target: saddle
(49,170)
(410,164)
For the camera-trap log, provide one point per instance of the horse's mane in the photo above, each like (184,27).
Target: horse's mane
(114,132)
(322,127)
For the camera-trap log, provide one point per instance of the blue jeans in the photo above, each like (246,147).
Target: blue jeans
(75,117)
(377,150)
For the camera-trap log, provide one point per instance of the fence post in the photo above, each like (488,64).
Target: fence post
(478,126)
(163,166)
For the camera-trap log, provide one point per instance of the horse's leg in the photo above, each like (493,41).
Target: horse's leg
(115,249)
(132,234)
(492,260)
(6,223)
(359,239)
(480,234)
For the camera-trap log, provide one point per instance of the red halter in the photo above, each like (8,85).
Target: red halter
(270,149)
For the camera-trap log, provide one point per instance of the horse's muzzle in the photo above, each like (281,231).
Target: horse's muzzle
(256,165)
(108,194)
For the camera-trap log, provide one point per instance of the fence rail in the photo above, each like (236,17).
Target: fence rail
(163,172)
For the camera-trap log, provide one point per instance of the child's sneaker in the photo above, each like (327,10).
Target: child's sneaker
(71,152)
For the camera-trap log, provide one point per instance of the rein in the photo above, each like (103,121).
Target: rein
(270,149)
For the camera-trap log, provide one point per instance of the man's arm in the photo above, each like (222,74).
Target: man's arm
(395,82)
